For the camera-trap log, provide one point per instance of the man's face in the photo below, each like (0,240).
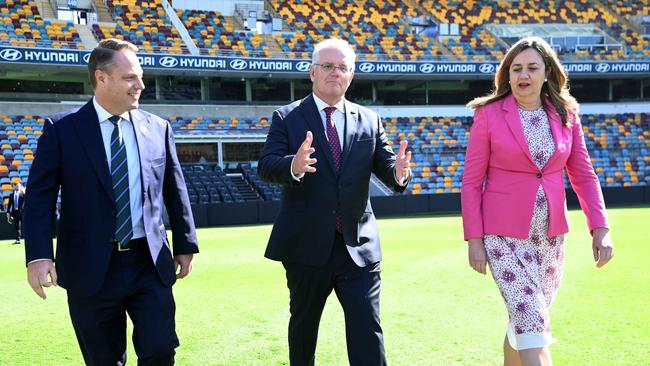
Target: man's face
(330,86)
(119,88)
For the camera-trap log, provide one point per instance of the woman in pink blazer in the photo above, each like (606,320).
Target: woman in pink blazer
(525,133)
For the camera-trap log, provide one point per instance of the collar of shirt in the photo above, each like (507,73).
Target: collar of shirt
(320,104)
(103,115)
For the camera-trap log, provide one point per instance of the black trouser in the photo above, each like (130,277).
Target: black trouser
(17,219)
(132,286)
(357,289)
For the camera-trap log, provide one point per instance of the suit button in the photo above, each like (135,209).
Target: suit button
(114,212)
(539,175)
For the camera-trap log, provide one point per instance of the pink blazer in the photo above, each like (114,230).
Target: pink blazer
(498,155)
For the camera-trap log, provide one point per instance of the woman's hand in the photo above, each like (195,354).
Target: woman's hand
(477,255)
(602,246)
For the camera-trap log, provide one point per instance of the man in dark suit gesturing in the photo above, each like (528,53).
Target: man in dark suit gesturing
(323,149)
(115,166)
(15,209)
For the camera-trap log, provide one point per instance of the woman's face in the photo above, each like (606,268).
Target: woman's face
(527,73)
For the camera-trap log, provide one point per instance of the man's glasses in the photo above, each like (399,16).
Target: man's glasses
(330,67)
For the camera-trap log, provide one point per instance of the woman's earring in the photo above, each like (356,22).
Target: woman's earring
(545,79)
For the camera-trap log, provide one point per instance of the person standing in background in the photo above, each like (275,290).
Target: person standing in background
(15,209)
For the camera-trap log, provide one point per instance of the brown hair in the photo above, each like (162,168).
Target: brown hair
(555,88)
(102,56)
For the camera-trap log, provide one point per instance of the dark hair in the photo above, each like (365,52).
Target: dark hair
(555,88)
(102,56)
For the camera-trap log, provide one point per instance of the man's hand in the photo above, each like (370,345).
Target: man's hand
(37,276)
(185,262)
(402,163)
(9,220)
(602,246)
(302,162)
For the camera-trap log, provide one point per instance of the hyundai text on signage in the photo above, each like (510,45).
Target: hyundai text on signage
(46,56)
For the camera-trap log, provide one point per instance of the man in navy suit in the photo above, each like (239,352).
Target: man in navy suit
(116,167)
(15,209)
(323,149)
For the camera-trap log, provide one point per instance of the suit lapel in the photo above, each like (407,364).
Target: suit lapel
(311,114)
(514,124)
(142,139)
(351,126)
(90,137)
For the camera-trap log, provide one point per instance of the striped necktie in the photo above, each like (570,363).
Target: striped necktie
(120,175)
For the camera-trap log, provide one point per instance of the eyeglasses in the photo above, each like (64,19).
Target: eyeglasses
(329,68)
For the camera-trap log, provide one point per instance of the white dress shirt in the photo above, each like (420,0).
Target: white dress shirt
(339,122)
(132,158)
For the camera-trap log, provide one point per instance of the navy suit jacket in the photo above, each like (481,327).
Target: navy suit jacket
(71,157)
(10,203)
(305,227)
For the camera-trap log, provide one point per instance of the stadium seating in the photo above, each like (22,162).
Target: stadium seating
(209,184)
(21,25)
(18,139)
(215,35)
(373,27)
(473,16)
(143,23)
(378,29)
(619,146)
(201,123)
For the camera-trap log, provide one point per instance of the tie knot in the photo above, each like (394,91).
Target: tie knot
(329,110)
(114,119)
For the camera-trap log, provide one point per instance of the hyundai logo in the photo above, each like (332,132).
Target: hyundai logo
(11,54)
(238,64)
(486,68)
(303,66)
(86,57)
(168,61)
(427,68)
(367,67)
(602,67)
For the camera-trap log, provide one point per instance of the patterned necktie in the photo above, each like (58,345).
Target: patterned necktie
(120,175)
(335,146)
(333,137)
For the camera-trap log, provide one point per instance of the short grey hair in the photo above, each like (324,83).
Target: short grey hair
(337,43)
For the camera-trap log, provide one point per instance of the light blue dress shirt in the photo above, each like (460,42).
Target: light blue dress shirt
(132,158)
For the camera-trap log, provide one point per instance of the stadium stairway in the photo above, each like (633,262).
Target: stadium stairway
(45,8)
(273,45)
(87,37)
(247,192)
(103,15)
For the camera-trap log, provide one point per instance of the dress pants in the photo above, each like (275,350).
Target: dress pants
(132,286)
(16,217)
(357,289)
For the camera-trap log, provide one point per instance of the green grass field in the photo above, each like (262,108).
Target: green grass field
(233,309)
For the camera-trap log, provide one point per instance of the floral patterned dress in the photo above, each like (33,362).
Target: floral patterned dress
(528,271)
